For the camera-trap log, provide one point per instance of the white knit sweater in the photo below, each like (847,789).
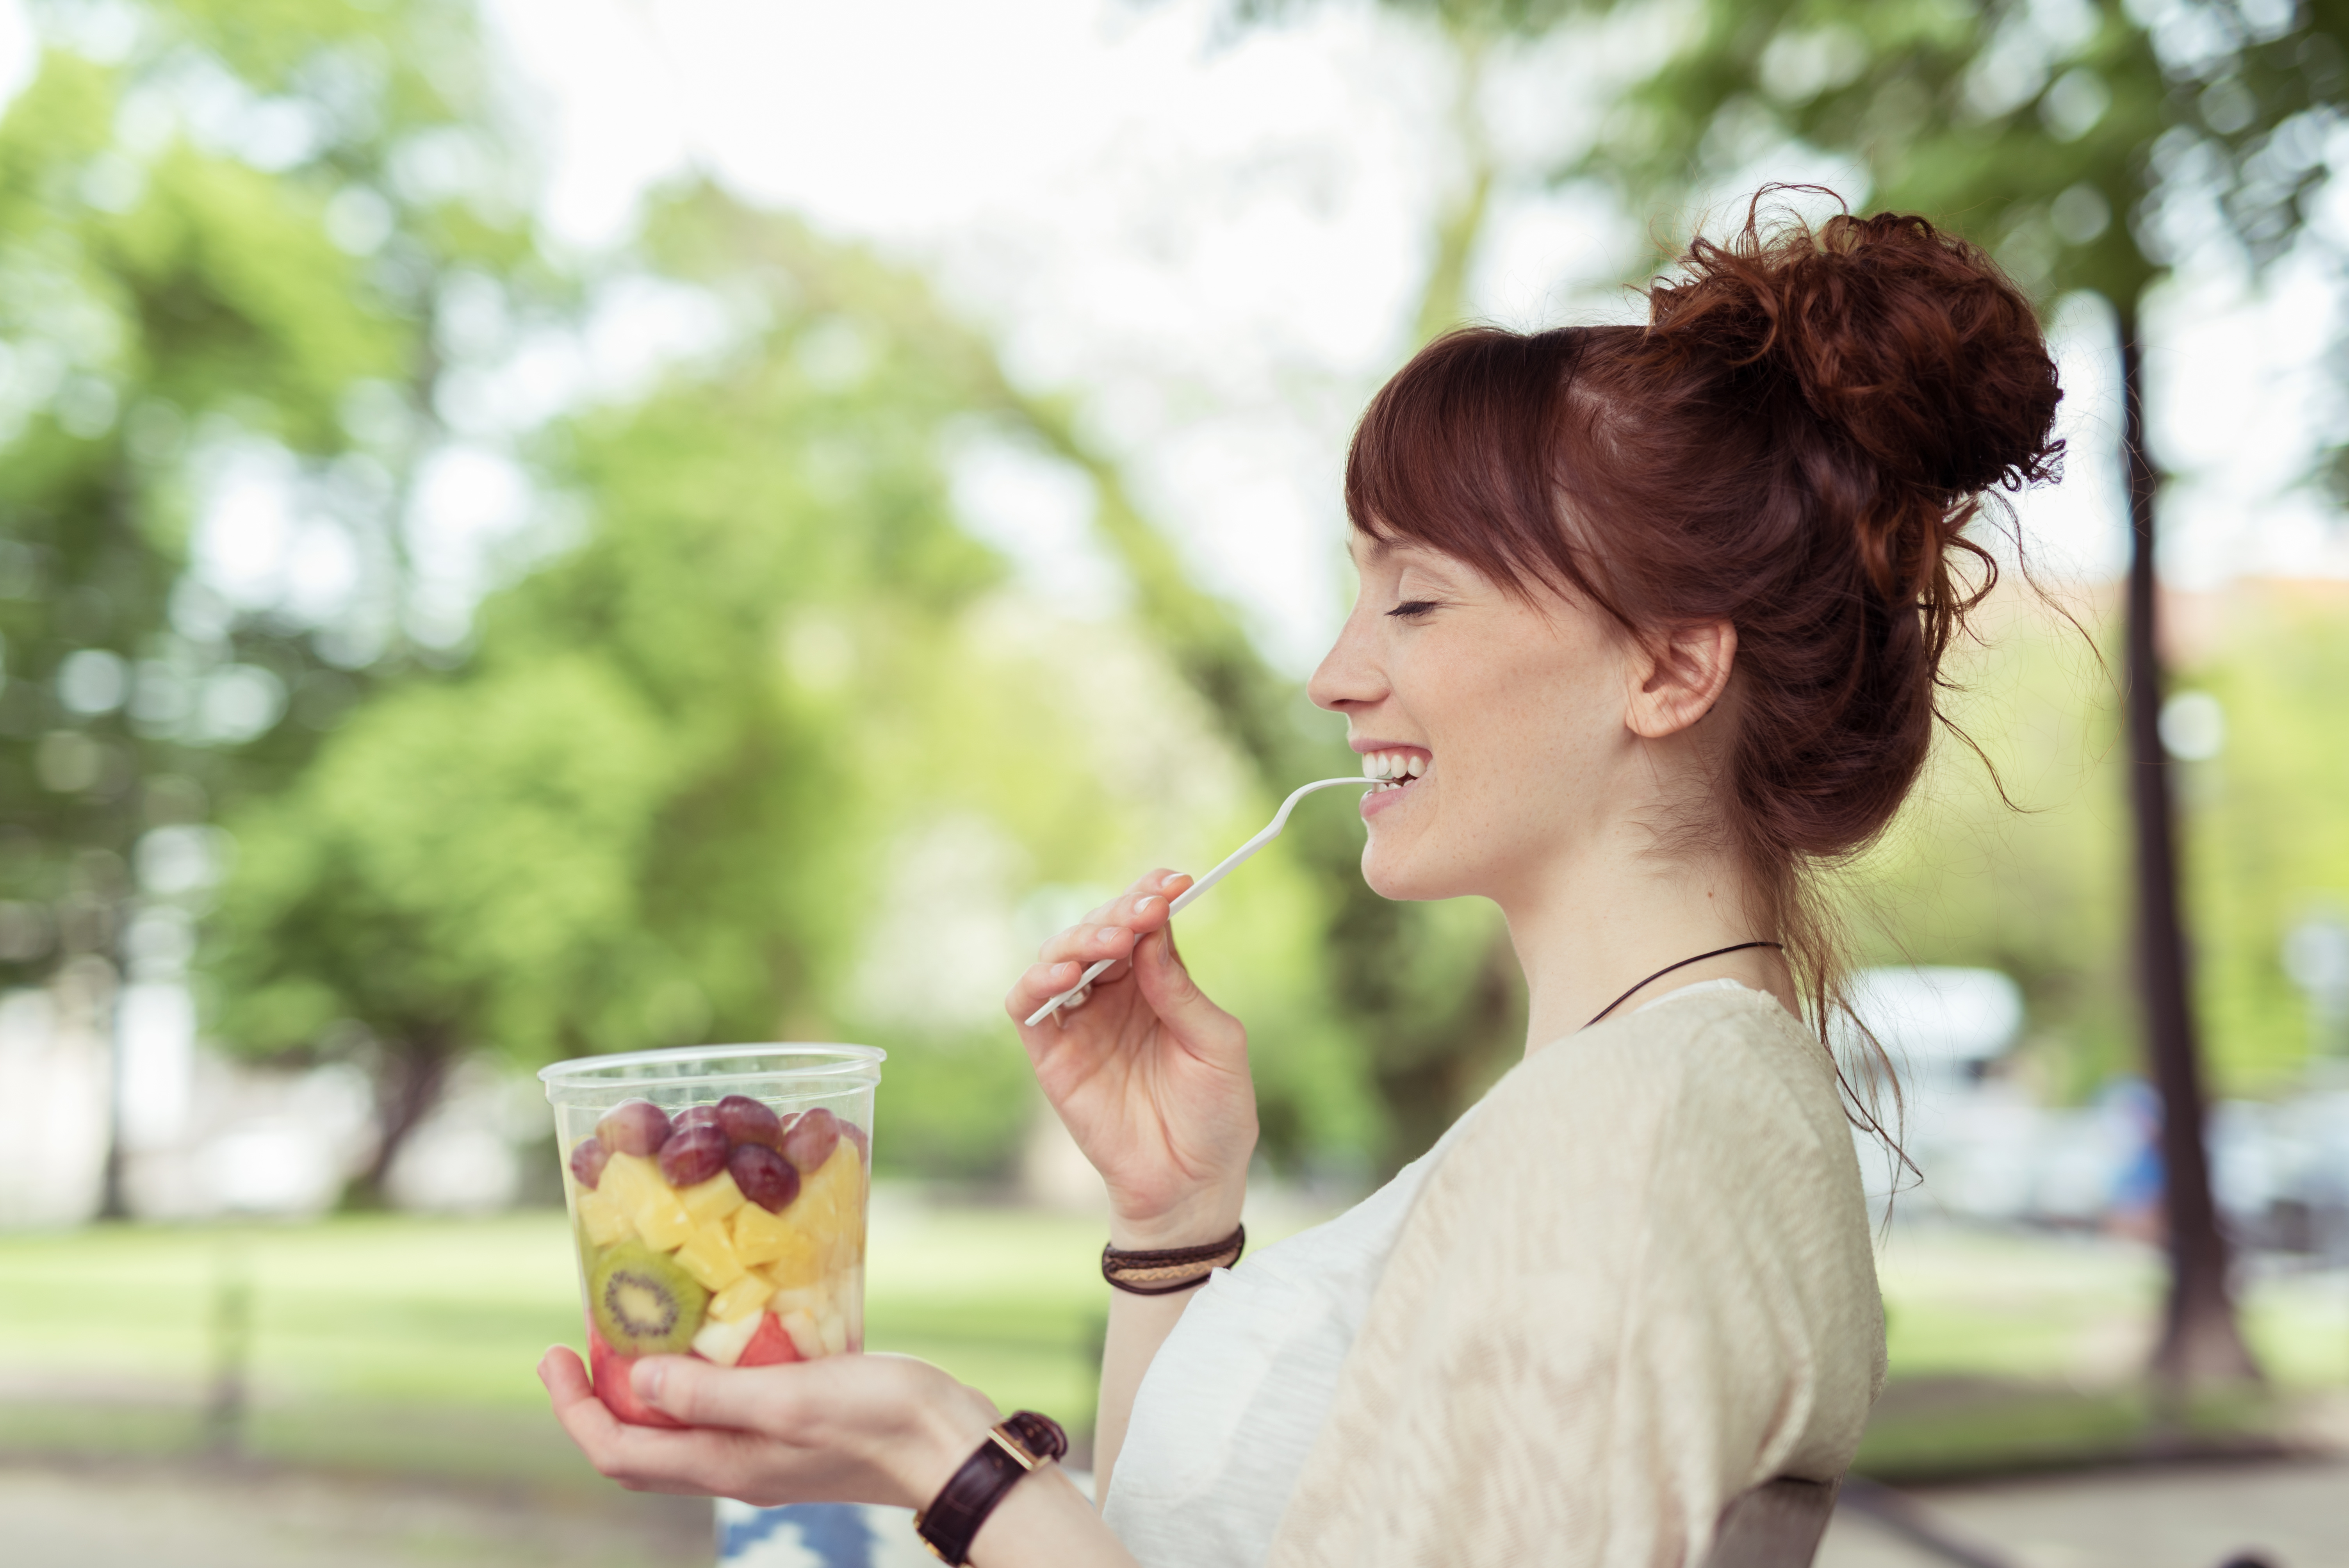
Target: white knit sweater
(1635,1282)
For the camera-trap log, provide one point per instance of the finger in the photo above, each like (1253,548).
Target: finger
(1151,881)
(1170,993)
(1039,983)
(701,1395)
(565,1375)
(1089,940)
(1149,910)
(584,1417)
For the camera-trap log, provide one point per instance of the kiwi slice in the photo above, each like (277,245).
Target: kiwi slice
(644,1304)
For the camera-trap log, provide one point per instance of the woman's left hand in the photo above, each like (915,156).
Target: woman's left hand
(844,1428)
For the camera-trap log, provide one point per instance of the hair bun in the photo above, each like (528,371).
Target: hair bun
(1909,342)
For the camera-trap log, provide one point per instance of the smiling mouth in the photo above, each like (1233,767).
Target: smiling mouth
(1393,769)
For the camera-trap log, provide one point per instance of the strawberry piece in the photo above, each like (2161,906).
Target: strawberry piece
(611,1385)
(771,1347)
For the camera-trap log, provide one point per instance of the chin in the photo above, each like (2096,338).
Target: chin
(1393,876)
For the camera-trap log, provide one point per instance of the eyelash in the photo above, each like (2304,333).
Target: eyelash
(1411,608)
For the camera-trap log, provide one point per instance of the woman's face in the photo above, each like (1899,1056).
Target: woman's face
(1513,710)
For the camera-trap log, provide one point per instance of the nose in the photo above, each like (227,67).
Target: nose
(1348,678)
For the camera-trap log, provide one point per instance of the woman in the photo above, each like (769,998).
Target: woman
(1649,628)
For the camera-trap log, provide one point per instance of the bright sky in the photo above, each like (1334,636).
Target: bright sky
(1217,240)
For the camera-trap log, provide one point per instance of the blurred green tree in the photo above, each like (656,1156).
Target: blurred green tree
(658,803)
(225,231)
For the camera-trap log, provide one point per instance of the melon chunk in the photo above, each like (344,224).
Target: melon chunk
(807,1335)
(724,1342)
(771,1347)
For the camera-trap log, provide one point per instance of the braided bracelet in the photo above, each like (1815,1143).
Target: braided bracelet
(1172,1270)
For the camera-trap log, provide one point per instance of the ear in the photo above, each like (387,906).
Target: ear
(1679,674)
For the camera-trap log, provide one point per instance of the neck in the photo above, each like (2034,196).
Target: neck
(1587,933)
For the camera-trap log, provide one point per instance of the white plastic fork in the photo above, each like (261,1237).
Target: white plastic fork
(1191,894)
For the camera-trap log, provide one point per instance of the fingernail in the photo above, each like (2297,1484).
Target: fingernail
(1170,879)
(1142,906)
(649,1377)
(1111,933)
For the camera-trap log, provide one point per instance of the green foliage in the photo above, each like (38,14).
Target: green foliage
(1962,878)
(175,290)
(695,779)
(2054,134)
(2269,843)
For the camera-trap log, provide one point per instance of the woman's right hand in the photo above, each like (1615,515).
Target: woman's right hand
(1150,1077)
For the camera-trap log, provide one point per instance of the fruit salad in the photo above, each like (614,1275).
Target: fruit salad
(726,1230)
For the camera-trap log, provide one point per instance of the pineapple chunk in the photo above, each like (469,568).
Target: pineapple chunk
(800,1262)
(760,1237)
(712,1199)
(627,1178)
(645,1196)
(601,1216)
(834,1329)
(811,1299)
(830,1207)
(745,1298)
(724,1340)
(710,1257)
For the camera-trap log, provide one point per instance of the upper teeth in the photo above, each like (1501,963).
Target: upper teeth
(1393,765)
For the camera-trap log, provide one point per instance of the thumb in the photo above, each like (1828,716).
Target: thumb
(1166,984)
(691,1390)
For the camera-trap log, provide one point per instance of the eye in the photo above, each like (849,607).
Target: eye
(1412,609)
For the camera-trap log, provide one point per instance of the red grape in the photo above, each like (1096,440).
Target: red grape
(765,1177)
(859,1137)
(695,1116)
(587,1162)
(811,1139)
(634,1127)
(747,1120)
(693,1156)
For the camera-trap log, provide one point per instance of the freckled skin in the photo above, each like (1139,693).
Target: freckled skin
(1521,706)
(1563,752)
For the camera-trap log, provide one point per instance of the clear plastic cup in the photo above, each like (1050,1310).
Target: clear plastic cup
(718,1195)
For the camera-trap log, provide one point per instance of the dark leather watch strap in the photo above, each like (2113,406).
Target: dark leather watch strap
(1021,1443)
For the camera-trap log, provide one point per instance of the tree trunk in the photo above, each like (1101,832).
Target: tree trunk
(407,1087)
(2200,1339)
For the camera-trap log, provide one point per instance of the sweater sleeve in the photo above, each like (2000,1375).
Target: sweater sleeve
(1640,1285)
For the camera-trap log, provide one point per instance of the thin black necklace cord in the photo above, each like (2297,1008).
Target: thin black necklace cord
(1683,964)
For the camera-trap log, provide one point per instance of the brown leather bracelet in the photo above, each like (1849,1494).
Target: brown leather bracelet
(1023,1442)
(1174,1269)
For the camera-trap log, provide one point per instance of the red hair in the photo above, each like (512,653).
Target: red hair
(1794,443)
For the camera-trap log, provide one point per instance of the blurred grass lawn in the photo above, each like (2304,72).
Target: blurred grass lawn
(405,1344)
(408,1344)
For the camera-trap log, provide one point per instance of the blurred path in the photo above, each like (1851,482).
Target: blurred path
(188,1516)
(2295,1514)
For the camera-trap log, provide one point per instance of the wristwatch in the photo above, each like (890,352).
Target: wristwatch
(1019,1444)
